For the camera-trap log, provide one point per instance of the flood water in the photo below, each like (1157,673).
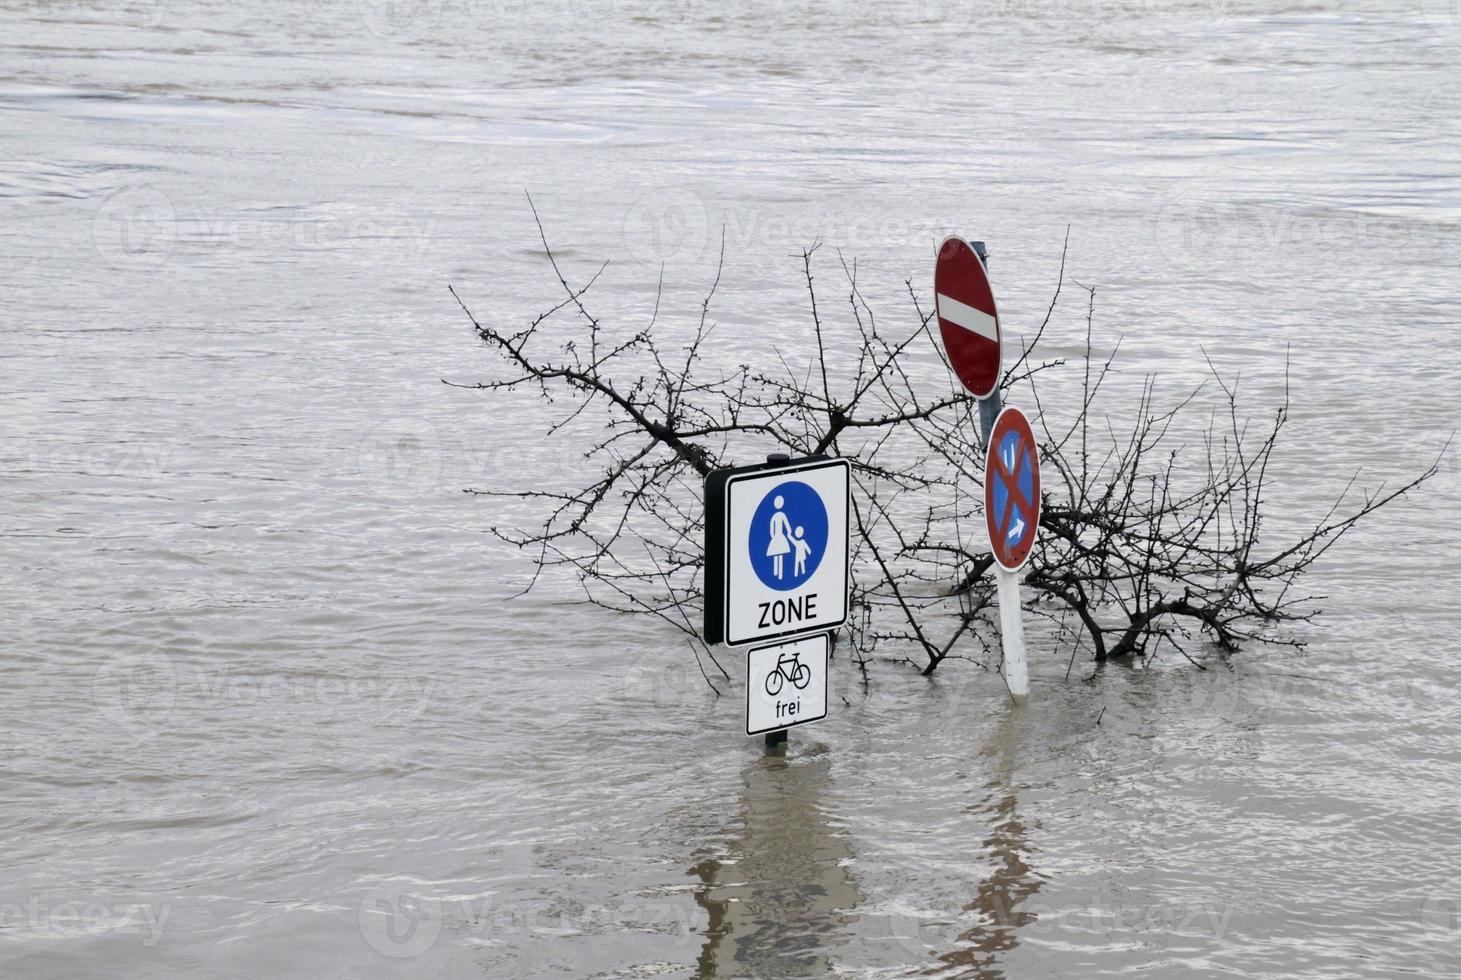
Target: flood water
(265,706)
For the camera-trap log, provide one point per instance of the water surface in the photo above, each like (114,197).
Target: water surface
(265,709)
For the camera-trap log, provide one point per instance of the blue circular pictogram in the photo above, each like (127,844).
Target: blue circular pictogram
(788,536)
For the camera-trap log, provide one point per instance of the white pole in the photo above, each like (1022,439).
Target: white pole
(1012,631)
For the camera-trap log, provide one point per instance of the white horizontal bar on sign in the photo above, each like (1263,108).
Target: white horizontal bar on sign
(963,315)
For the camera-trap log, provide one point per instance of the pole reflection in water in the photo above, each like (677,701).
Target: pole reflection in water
(1012,882)
(779,901)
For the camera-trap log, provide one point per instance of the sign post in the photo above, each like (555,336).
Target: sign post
(776,578)
(1011,519)
(968,321)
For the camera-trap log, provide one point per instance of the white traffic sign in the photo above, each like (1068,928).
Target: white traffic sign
(776,551)
(786,684)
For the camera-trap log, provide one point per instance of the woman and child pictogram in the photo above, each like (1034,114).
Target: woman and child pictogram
(784,540)
(787,536)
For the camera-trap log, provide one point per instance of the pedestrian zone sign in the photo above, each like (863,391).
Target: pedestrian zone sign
(776,550)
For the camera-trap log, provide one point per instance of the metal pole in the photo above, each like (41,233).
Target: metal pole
(990,406)
(989,409)
(1012,632)
(778,737)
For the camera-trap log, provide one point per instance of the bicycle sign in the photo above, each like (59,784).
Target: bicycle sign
(776,550)
(786,684)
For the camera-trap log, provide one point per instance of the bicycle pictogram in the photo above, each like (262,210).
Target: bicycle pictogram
(788,668)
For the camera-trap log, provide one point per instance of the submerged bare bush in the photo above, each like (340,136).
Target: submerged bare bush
(1151,534)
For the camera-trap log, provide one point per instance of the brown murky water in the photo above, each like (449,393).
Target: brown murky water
(264,710)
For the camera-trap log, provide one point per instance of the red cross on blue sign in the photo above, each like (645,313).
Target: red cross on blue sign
(1012,489)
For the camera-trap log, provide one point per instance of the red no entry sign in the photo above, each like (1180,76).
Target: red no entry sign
(1012,489)
(967,317)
